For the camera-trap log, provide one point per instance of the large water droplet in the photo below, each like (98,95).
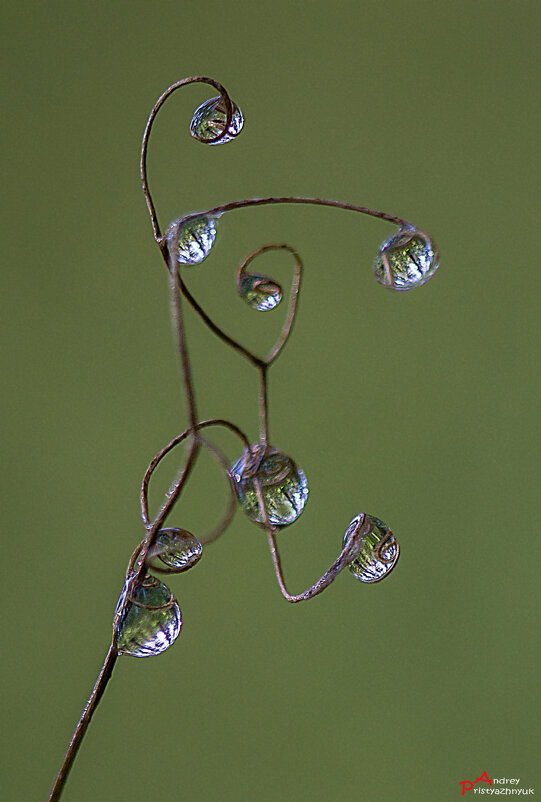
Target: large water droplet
(151,621)
(177,548)
(209,121)
(259,292)
(406,260)
(379,553)
(284,488)
(195,239)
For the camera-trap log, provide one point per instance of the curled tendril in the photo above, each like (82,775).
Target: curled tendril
(349,552)
(228,107)
(219,456)
(260,283)
(168,245)
(291,313)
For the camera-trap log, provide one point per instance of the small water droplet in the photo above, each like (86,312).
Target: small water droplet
(209,121)
(283,485)
(379,553)
(406,260)
(177,548)
(259,292)
(195,239)
(151,621)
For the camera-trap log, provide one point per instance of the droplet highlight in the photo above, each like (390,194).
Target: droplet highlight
(406,260)
(379,553)
(151,622)
(178,549)
(209,121)
(195,239)
(283,485)
(259,292)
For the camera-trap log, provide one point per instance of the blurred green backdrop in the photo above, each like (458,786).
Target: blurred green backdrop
(419,408)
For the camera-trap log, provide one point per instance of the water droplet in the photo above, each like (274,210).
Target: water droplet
(406,260)
(151,621)
(209,121)
(283,485)
(259,292)
(177,548)
(379,553)
(195,239)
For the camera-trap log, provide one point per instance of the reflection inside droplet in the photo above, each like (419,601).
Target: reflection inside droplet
(379,553)
(195,239)
(283,485)
(178,548)
(151,621)
(406,260)
(209,121)
(259,292)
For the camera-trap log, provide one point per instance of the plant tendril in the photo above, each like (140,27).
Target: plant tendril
(267,483)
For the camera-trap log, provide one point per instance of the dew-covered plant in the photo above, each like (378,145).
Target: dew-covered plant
(268,485)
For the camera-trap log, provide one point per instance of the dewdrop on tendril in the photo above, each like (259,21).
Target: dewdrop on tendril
(379,553)
(209,121)
(259,292)
(284,488)
(151,621)
(406,260)
(177,549)
(195,239)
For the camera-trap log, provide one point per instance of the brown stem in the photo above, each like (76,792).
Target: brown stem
(263,405)
(135,569)
(84,721)
(178,321)
(352,207)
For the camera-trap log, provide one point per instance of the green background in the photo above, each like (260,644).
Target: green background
(420,407)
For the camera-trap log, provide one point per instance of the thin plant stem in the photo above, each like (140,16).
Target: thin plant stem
(263,404)
(82,725)
(293,199)
(135,570)
(176,306)
(236,346)
(293,307)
